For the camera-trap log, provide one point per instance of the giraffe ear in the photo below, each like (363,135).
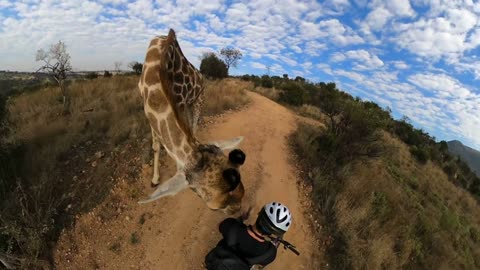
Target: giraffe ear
(228,144)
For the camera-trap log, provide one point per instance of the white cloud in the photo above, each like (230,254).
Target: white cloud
(441,85)
(377,18)
(258,65)
(330,29)
(114,2)
(400,7)
(5,4)
(400,64)
(362,59)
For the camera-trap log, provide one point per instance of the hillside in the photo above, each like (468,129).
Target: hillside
(469,155)
(374,192)
(390,197)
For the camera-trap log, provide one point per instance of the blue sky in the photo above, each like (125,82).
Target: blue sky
(419,57)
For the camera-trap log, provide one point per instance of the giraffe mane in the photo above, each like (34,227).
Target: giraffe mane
(167,73)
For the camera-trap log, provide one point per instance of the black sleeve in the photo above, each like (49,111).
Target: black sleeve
(226,225)
(271,259)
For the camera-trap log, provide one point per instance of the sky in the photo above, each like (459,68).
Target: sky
(421,58)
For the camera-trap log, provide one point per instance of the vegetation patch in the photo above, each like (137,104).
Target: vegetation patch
(50,162)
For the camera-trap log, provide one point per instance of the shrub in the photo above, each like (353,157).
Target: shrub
(292,94)
(107,74)
(212,67)
(91,76)
(267,82)
(420,154)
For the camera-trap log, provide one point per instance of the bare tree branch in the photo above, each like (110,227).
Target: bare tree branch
(231,56)
(57,64)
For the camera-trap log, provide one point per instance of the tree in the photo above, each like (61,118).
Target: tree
(212,67)
(230,56)
(118,65)
(136,67)
(56,62)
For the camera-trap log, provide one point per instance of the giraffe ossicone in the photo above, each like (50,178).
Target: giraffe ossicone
(173,91)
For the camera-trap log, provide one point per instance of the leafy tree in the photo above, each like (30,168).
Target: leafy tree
(56,62)
(136,67)
(267,81)
(230,56)
(299,79)
(293,94)
(107,74)
(212,67)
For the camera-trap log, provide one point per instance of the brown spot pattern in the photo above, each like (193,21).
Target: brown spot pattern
(157,101)
(172,124)
(152,55)
(153,42)
(152,75)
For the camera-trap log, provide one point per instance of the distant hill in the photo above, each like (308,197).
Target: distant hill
(467,154)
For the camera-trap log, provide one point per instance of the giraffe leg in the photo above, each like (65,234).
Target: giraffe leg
(168,188)
(156,149)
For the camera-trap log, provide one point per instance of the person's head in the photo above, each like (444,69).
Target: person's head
(273,219)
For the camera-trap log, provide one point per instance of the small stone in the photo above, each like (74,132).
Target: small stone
(99,154)
(94,164)
(127,218)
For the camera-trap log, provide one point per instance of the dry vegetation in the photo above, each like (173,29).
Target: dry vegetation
(271,93)
(392,212)
(226,94)
(105,114)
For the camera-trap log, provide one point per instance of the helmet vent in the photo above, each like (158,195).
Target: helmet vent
(271,210)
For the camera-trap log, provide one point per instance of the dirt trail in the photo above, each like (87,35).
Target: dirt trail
(176,232)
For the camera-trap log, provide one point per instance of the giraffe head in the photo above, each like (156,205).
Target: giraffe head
(216,177)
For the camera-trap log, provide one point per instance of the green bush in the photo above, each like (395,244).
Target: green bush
(267,82)
(420,154)
(91,76)
(212,67)
(293,94)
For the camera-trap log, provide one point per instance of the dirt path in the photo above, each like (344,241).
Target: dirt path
(177,232)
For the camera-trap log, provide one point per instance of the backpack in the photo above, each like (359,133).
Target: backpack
(224,257)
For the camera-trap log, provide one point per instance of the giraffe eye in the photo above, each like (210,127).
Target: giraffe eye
(232,177)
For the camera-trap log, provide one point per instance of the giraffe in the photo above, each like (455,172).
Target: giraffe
(172,91)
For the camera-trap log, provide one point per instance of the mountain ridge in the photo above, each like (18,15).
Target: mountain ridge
(469,155)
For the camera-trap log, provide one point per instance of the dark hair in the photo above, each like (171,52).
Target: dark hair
(237,156)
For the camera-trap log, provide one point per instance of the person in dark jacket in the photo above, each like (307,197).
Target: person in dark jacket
(251,245)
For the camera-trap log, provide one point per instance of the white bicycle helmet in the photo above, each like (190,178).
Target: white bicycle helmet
(274,218)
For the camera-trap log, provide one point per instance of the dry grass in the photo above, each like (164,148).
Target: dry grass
(311,112)
(226,94)
(393,213)
(271,93)
(105,113)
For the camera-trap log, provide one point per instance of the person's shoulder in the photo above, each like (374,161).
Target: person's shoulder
(229,224)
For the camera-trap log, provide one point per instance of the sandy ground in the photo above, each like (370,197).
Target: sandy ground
(177,232)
